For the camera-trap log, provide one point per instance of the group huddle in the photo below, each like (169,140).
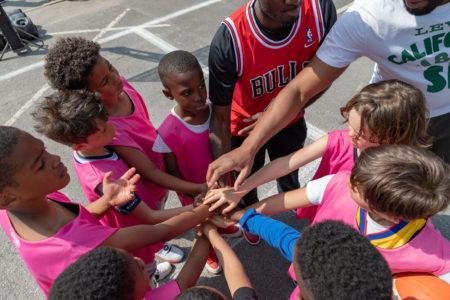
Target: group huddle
(369,203)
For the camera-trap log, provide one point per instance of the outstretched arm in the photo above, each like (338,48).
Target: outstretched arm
(234,271)
(315,77)
(275,169)
(141,236)
(193,267)
(134,157)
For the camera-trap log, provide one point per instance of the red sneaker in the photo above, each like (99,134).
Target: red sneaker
(230,232)
(251,238)
(212,263)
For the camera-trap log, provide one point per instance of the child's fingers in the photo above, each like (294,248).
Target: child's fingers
(240,179)
(135,179)
(217,204)
(229,208)
(108,177)
(128,173)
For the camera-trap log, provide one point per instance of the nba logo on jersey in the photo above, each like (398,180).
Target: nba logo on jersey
(308,35)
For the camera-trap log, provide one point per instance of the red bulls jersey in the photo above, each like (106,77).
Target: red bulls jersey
(265,66)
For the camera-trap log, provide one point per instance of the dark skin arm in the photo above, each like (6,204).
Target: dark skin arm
(141,236)
(193,267)
(170,163)
(134,157)
(220,134)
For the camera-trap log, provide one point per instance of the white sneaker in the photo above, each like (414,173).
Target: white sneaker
(162,271)
(170,253)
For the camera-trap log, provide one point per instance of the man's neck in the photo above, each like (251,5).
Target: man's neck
(267,22)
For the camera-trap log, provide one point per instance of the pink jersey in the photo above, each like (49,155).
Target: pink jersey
(166,292)
(137,131)
(338,156)
(190,148)
(47,258)
(426,251)
(90,174)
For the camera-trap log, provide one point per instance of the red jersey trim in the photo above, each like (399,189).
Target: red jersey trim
(237,44)
(319,18)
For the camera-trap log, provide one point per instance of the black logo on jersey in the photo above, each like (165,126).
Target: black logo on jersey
(276,77)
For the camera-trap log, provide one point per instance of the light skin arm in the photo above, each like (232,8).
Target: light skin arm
(276,204)
(219,133)
(117,192)
(275,169)
(232,267)
(137,237)
(134,157)
(315,77)
(193,267)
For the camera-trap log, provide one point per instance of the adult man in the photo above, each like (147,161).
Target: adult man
(408,40)
(254,54)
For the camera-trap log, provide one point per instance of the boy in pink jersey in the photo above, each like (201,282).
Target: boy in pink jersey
(387,112)
(109,273)
(389,196)
(75,63)
(48,230)
(183,137)
(80,120)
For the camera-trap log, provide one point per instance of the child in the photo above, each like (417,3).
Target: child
(237,280)
(389,196)
(386,112)
(75,63)
(109,273)
(47,228)
(80,120)
(183,136)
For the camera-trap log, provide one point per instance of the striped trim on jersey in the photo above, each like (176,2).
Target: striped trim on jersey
(250,14)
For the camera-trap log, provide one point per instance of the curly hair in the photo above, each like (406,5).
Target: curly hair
(394,111)
(178,61)
(333,261)
(70,61)
(69,117)
(102,273)
(9,137)
(402,181)
(199,293)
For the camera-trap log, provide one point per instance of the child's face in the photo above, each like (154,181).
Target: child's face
(188,89)
(38,172)
(105,79)
(358,197)
(354,129)
(100,139)
(140,277)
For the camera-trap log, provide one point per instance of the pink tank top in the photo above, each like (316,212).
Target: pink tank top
(190,148)
(166,292)
(427,252)
(47,258)
(338,156)
(90,175)
(137,131)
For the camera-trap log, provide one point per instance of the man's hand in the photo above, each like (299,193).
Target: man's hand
(120,191)
(239,160)
(222,196)
(254,119)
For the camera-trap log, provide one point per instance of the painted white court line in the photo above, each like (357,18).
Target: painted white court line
(163,45)
(45,87)
(27,105)
(99,29)
(117,35)
(113,22)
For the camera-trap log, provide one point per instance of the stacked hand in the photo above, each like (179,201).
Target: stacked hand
(120,191)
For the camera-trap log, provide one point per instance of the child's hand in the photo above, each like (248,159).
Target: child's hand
(206,227)
(221,221)
(120,191)
(219,197)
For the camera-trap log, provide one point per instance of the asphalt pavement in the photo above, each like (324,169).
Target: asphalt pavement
(134,35)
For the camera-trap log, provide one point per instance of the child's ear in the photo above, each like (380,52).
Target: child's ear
(167,93)
(79,147)
(7,199)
